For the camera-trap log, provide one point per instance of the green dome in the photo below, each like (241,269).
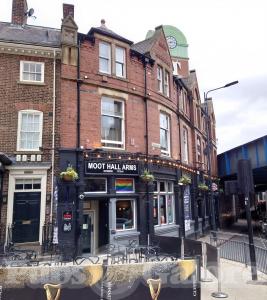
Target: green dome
(176,40)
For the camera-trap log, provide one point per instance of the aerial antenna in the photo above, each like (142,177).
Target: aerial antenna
(30,13)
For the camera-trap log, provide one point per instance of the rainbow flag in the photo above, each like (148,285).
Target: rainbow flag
(124,185)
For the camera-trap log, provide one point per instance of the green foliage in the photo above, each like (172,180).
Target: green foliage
(185,180)
(147,176)
(203,187)
(69,174)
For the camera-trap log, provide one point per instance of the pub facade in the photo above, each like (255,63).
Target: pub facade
(133,127)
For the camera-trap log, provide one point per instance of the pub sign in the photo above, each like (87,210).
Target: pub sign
(111,168)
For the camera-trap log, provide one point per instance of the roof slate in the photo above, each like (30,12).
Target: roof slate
(105,31)
(27,34)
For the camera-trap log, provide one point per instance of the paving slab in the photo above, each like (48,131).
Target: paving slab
(235,278)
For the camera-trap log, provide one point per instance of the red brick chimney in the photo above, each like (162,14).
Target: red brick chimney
(19,10)
(68,9)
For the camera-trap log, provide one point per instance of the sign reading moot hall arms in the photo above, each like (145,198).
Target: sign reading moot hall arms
(107,167)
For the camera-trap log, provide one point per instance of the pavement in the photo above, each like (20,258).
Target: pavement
(235,278)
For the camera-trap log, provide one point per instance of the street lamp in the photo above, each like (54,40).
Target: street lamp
(208,152)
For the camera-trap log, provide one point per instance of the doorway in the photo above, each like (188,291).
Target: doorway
(88,232)
(26,217)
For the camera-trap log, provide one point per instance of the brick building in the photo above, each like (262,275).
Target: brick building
(29,90)
(126,109)
(112,109)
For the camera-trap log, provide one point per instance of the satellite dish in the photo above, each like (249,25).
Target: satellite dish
(30,12)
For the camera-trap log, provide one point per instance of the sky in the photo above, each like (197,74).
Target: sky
(227,42)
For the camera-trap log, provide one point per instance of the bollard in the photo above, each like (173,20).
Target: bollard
(182,248)
(204,259)
(219,293)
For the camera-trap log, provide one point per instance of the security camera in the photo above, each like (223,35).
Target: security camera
(81,196)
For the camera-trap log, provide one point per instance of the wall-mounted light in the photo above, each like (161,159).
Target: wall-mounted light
(4,198)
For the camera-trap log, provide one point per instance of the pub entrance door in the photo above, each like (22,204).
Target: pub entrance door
(26,217)
(88,232)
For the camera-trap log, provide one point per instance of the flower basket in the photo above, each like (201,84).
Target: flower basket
(69,175)
(203,187)
(147,176)
(185,180)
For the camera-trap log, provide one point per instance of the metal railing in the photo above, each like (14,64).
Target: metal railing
(236,248)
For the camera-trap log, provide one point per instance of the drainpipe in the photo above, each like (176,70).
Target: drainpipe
(78,105)
(77,152)
(148,208)
(53,138)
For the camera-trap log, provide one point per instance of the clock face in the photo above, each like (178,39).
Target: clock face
(172,43)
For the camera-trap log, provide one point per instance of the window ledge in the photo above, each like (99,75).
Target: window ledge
(28,152)
(31,83)
(126,234)
(164,96)
(112,76)
(166,228)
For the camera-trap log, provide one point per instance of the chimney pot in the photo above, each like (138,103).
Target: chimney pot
(68,10)
(103,23)
(19,12)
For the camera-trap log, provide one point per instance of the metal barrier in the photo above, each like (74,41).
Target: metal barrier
(238,250)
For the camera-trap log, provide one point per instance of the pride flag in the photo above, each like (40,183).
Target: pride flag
(124,185)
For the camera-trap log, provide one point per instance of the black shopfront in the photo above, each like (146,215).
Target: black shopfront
(113,205)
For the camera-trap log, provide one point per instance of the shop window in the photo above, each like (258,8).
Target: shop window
(112,123)
(124,185)
(32,71)
(27,184)
(105,57)
(125,214)
(165,134)
(96,185)
(163,204)
(30,123)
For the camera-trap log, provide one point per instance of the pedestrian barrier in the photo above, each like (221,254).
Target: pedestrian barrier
(236,248)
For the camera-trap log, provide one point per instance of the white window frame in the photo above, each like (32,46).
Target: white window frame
(166,83)
(105,58)
(122,126)
(122,192)
(160,79)
(121,63)
(22,62)
(100,192)
(34,112)
(164,152)
(199,155)
(166,193)
(185,145)
(134,214)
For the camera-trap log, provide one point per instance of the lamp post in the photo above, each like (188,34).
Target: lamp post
(208,151)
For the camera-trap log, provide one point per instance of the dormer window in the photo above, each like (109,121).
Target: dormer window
(159,78)
(166,83)
(120,62)
(112,59)
(163,81)
(105,57)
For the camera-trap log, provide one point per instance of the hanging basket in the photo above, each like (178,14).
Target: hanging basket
(69,175)
(147,176)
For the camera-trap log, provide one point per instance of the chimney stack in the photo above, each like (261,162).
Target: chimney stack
(19,12)
(68,9)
